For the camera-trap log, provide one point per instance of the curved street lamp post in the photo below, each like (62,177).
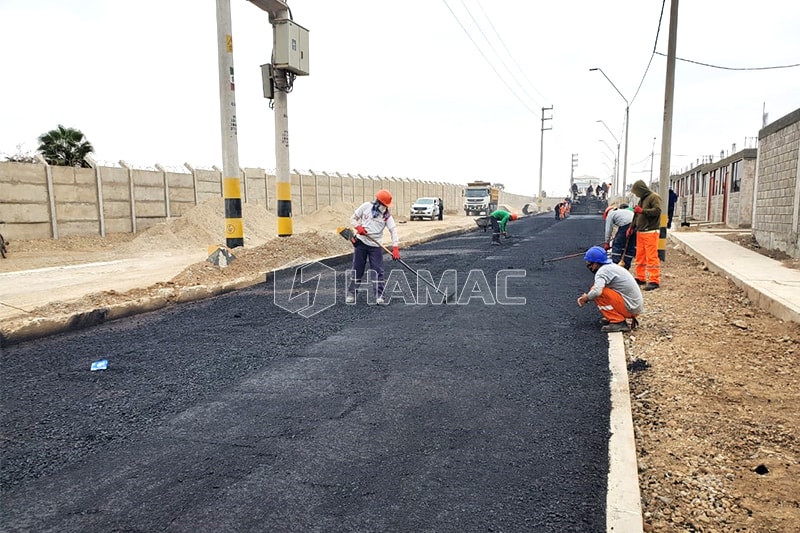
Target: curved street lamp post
(627,128)
(616,168)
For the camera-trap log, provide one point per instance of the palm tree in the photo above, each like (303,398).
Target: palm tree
(65,147)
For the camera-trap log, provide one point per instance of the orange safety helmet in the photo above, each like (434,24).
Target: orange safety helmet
(513,216)
(384,197)
(608,210)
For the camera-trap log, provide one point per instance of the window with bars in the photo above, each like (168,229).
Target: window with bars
(736,172)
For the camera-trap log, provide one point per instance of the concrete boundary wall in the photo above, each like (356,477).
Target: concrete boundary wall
(41,201)
(776,220)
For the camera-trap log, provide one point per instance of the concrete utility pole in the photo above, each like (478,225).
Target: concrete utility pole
(283,176)
(615,185)
(627,129)
(572,171)
(666,131)
(541,152)
(289,59)
(231,184)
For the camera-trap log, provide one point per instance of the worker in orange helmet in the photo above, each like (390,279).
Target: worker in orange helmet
(499,220)
(369,221)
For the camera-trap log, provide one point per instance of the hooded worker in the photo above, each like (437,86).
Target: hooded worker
(614,291)
(647,224)
(499,220)
(623,248)
(369,221)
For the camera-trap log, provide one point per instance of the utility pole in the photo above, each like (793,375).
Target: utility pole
(289,59)
(283,176)
(572,171)
(541,151)
(652,158)
(231,184)
(666,132)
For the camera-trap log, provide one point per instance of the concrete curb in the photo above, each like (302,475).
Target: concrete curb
(765,281)
(623,501)
(42,327)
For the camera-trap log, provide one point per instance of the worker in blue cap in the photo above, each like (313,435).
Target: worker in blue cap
(615,292)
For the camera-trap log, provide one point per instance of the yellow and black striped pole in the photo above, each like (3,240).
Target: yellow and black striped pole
(234,229)
(662,238)
(231,184)
(284,193)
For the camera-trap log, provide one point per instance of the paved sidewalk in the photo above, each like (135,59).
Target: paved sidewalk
(766,281)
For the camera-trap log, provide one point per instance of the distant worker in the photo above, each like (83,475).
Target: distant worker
(623,248)
(369,221)
(598,191)
(647,225)
(604,190)
(614,291)
(673,199)
(557,210)
(499,220)
(574,191)
(562,213)
(589,190)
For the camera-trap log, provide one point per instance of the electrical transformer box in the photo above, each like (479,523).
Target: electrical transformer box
(291,47)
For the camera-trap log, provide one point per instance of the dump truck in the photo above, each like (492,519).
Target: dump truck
(480,198)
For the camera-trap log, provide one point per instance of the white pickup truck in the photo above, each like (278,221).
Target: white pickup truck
(427,207)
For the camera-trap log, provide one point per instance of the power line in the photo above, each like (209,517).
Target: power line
(486,58)
(510,54)
(732,68)
(655,44)
(480,29)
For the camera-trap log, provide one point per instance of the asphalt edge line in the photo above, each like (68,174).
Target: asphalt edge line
(623,500)
(45,327)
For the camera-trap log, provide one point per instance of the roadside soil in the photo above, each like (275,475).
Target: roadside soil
(715,385)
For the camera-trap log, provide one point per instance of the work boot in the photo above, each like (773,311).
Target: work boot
(350,299)
(640,282)
(651,286)
(495,243)
(616,326)
(604,321)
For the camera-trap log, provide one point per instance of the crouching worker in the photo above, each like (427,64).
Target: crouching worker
(499,220)
(615,292)
(369,220)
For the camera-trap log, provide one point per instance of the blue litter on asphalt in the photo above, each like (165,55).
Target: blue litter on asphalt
(99,365)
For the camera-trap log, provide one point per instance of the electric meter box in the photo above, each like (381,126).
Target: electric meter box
(291,47)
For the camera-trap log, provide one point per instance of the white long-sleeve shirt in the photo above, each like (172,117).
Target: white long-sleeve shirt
(617,217)
(374,223)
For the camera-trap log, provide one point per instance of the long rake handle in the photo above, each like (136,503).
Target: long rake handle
(434,287)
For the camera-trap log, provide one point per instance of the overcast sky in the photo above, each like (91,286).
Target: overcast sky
(400,88)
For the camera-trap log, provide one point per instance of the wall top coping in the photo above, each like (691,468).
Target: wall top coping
(747,153)
(784,121)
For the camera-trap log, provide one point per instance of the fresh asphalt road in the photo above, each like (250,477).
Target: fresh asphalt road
(235,415)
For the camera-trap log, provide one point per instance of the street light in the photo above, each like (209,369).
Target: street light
(616,168)
(613,172)
(627,128)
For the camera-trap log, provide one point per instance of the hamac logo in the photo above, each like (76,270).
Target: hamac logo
(305,287)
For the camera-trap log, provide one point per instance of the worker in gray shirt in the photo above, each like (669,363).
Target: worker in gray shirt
(623,248)
(615,292)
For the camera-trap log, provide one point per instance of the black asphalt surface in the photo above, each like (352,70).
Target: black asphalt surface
(235,415)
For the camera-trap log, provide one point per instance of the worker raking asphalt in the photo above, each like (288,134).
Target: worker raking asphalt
(490,412)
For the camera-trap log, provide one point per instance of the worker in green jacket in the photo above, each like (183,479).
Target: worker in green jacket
(499,220)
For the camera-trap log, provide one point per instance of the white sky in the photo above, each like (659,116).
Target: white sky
(398,88)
